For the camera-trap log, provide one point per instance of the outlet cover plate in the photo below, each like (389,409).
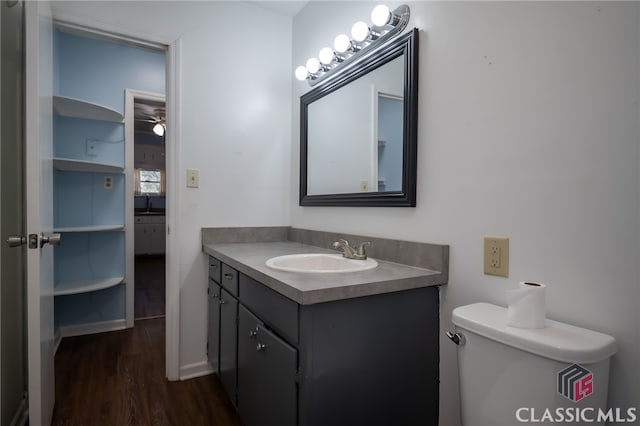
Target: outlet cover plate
(193,178)
(496,256)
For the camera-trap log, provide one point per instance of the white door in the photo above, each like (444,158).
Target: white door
(39,210)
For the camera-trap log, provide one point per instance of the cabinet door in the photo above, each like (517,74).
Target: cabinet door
(267,365)
(213,328)
(141,238)
(228,343)
(158,238)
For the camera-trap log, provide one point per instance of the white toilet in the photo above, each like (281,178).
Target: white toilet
(509,376)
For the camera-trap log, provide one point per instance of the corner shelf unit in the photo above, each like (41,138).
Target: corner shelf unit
(72,165)
(86,286)
(77,108)
(89,200)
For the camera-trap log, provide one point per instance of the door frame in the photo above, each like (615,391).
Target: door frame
(172,161)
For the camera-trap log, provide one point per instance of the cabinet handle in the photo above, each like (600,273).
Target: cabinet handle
(252,333)
(214,266)
(228,276)
(215,295)
(223,302)
(261,347)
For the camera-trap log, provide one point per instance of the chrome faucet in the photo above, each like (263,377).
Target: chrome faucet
(350,252)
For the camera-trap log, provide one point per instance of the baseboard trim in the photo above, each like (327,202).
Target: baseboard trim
(194,370)
(21,418)
(92,328)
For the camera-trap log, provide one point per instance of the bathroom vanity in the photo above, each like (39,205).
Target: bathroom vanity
(318,349)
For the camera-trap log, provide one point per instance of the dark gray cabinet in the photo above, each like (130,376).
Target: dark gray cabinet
(228,343)
(213,329)
(267,366)
(370,360)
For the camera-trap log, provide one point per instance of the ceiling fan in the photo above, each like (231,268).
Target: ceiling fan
(153,113)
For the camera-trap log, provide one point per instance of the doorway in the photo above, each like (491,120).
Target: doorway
(149,202)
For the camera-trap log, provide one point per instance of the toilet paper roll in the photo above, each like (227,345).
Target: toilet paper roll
(526,305)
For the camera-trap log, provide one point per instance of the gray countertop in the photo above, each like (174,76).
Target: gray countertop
(310,288)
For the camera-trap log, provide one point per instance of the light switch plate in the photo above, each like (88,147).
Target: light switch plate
(496,256)
(193,178)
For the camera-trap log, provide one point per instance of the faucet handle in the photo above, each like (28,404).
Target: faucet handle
(341,243)
(361,249)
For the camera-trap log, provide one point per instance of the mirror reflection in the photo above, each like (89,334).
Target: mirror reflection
(355,135)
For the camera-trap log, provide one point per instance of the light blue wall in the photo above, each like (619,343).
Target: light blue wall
(97,306)
(99,71)
(80,199)
(71,136)
(89,255)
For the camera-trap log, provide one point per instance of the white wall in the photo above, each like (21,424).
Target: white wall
(234,106)
(236,120)
(528,128)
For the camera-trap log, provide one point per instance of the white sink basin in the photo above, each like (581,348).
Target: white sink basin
(319,263)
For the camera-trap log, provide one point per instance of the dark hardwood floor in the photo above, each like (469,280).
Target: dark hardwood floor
(118,378)
(149,297)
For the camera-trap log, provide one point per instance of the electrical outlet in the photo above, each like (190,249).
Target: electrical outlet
(108,182)
(364,186)
(496,256)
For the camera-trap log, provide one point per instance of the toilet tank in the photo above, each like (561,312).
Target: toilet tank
(509,376)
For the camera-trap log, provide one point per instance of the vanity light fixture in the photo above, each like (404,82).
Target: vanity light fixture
(386,24)
(342,44)
(360,31)
(326,56)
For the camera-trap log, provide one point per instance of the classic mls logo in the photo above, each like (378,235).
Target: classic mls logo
(575,382)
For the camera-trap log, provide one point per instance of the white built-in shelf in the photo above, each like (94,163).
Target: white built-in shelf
(85,286)
(77,108)
(72,165)
(93,228)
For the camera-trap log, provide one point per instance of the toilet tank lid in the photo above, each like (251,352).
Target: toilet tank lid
(558,341)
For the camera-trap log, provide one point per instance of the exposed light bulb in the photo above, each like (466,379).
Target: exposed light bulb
(158,129)
(302,73)
(360,31)
(326,55)
(342,43)
(381,15)
(313,65)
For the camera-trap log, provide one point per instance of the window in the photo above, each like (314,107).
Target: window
(149,182)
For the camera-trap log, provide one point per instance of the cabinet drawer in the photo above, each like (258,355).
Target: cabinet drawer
(229,279)
(274,309)
(214,269)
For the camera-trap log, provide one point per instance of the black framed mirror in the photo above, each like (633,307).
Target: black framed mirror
(358,131)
